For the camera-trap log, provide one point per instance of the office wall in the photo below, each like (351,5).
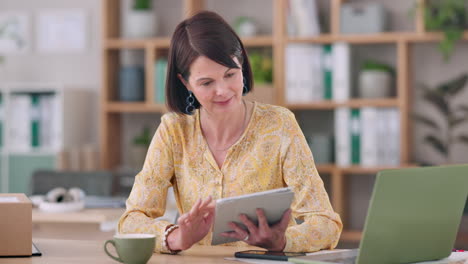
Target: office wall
(84,71)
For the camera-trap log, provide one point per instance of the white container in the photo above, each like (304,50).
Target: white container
(247,29)
(140,24)
(375,84)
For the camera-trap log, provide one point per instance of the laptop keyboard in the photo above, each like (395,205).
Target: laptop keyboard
(348,260)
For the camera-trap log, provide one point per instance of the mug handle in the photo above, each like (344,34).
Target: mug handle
(109,254)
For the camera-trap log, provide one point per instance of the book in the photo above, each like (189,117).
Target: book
(305,17)
(160,83)
(327,71)
(273,202)
(355,131)
(341,69)
(342,136)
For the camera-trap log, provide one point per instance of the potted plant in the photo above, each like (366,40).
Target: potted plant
(141,21)
(376,80)
(448,16)
(139,148)
(443,135)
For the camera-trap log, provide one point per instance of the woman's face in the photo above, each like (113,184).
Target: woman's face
(216,87)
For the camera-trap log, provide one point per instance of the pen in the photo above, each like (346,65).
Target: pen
(458,250)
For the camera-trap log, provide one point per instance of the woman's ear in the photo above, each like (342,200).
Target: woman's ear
(182,80)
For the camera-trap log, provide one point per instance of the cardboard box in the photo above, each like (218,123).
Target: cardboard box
(15,225)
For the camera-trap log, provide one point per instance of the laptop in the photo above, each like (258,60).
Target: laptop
(413,216)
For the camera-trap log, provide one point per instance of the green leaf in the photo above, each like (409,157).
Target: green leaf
(142,5)
(457,121)
(437,99)
(463,138)
(454,86)
(426,121)
(437,144)
(462,108)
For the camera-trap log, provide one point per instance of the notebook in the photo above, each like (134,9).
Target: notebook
(414,215)
(273,202)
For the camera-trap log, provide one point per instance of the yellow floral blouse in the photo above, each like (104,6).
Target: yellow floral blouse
(272,153)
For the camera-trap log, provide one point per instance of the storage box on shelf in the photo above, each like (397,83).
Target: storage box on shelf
(40,121)
(278,41)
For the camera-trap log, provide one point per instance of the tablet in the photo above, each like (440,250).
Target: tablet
(273,202)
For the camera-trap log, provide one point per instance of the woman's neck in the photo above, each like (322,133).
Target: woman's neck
(222,131)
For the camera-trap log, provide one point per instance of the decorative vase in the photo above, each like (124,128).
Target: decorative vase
(246,27)
(131,83)
(140,24)
(138,153)
(375,84)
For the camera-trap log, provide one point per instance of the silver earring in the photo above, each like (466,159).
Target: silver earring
(190,100)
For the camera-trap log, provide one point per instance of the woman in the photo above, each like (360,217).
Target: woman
(215,144)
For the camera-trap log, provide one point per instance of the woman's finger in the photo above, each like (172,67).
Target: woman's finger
(206,202)
(262,221)
(195,207)
(241,233)
(285,219)
(230,234)
(248,223)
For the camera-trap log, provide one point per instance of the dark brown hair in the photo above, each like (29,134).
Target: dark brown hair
(204,34)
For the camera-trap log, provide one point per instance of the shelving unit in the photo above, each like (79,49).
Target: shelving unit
(65,114)
(111,110)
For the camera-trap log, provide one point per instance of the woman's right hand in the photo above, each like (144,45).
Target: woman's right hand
(193,226)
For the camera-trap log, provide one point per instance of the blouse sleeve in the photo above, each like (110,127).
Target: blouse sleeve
(321,226)
(147,199)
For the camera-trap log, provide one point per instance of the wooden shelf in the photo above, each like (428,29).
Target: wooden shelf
(329,168)
(119,107)
(364,170)
(391,37)
(354,103)
(116,43)
(164,42)
(326,168)
(429,37)
(260,41)
(388,37)
(351,236)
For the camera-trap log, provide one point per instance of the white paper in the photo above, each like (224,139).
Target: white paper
(9,199)
(61,30)
(14,32)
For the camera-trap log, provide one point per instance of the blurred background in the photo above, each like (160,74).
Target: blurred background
(82,92)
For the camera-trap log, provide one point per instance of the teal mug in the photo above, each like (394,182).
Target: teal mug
(132,248)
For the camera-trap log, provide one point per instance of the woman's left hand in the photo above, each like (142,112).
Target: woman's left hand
(271,238)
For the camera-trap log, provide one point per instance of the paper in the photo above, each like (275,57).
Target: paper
(9,199)
(14,32)
(454,258)
(61,30)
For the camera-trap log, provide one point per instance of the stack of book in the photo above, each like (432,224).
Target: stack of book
(303,18)
(368,136)
(318,72)
(34,122)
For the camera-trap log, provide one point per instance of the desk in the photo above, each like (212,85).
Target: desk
(88,224)
(80,251)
